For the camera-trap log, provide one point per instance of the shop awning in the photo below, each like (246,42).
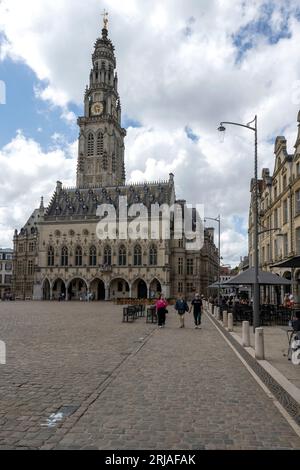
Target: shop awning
(264,278)
(293,262)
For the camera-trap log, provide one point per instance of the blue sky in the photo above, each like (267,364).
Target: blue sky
(249,34)
(24,111)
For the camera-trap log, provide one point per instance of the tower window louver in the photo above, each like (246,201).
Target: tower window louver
(90,145)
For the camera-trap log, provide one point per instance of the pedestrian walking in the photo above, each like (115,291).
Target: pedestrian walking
(182,307)
(197,306)
(161,310)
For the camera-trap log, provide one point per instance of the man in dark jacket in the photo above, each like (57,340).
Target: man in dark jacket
(197,306)
(182,307)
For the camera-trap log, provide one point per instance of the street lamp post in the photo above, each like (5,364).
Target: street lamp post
(218,219)
(256,293)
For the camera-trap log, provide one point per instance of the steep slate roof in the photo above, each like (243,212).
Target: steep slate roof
(31,225)
(79,204)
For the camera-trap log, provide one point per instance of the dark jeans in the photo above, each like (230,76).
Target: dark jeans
(197,317)
(161,315)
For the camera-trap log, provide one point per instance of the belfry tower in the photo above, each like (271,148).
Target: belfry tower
(101,140)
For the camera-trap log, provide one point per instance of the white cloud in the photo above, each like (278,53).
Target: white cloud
(177,67)
(27,173)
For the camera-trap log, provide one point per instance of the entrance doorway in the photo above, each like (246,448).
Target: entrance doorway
(97,289)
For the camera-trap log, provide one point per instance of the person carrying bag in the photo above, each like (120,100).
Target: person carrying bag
(161,309)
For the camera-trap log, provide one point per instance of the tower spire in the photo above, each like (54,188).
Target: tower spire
(105,19)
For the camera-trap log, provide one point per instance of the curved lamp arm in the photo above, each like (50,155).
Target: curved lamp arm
(222,128)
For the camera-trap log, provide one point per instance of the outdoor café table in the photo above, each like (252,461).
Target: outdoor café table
(290,332)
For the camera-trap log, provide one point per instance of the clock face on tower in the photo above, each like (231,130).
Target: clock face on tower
(97,109)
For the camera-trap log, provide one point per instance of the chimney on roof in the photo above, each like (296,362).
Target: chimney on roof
(280,145)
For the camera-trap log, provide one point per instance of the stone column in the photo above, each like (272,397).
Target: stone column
(246,334)
(37,292)
(225,319)
(259,344)
(167,291)
(230,322)
(107,292)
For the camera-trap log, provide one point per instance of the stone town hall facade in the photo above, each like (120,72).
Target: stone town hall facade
(57,252)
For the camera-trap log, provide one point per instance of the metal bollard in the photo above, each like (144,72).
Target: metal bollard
(246,334)
(212,309)
(259,344)
(225,319)
(230,322)
(218,314)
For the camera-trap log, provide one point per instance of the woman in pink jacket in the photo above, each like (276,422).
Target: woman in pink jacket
(161,306)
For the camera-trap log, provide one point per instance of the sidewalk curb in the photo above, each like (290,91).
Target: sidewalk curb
(287,394)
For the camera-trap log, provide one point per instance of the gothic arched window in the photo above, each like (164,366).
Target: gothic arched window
(90,145)
(100,144)
(107,256)
(64,256)
(30,267)
(78,256)
(122,256)
(137,257)
(50,256)
(93,256)
(153,256)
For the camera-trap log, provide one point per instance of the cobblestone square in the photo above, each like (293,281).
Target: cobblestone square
(77,377)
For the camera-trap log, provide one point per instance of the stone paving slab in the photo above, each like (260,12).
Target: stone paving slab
(175,388)
(58,354)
